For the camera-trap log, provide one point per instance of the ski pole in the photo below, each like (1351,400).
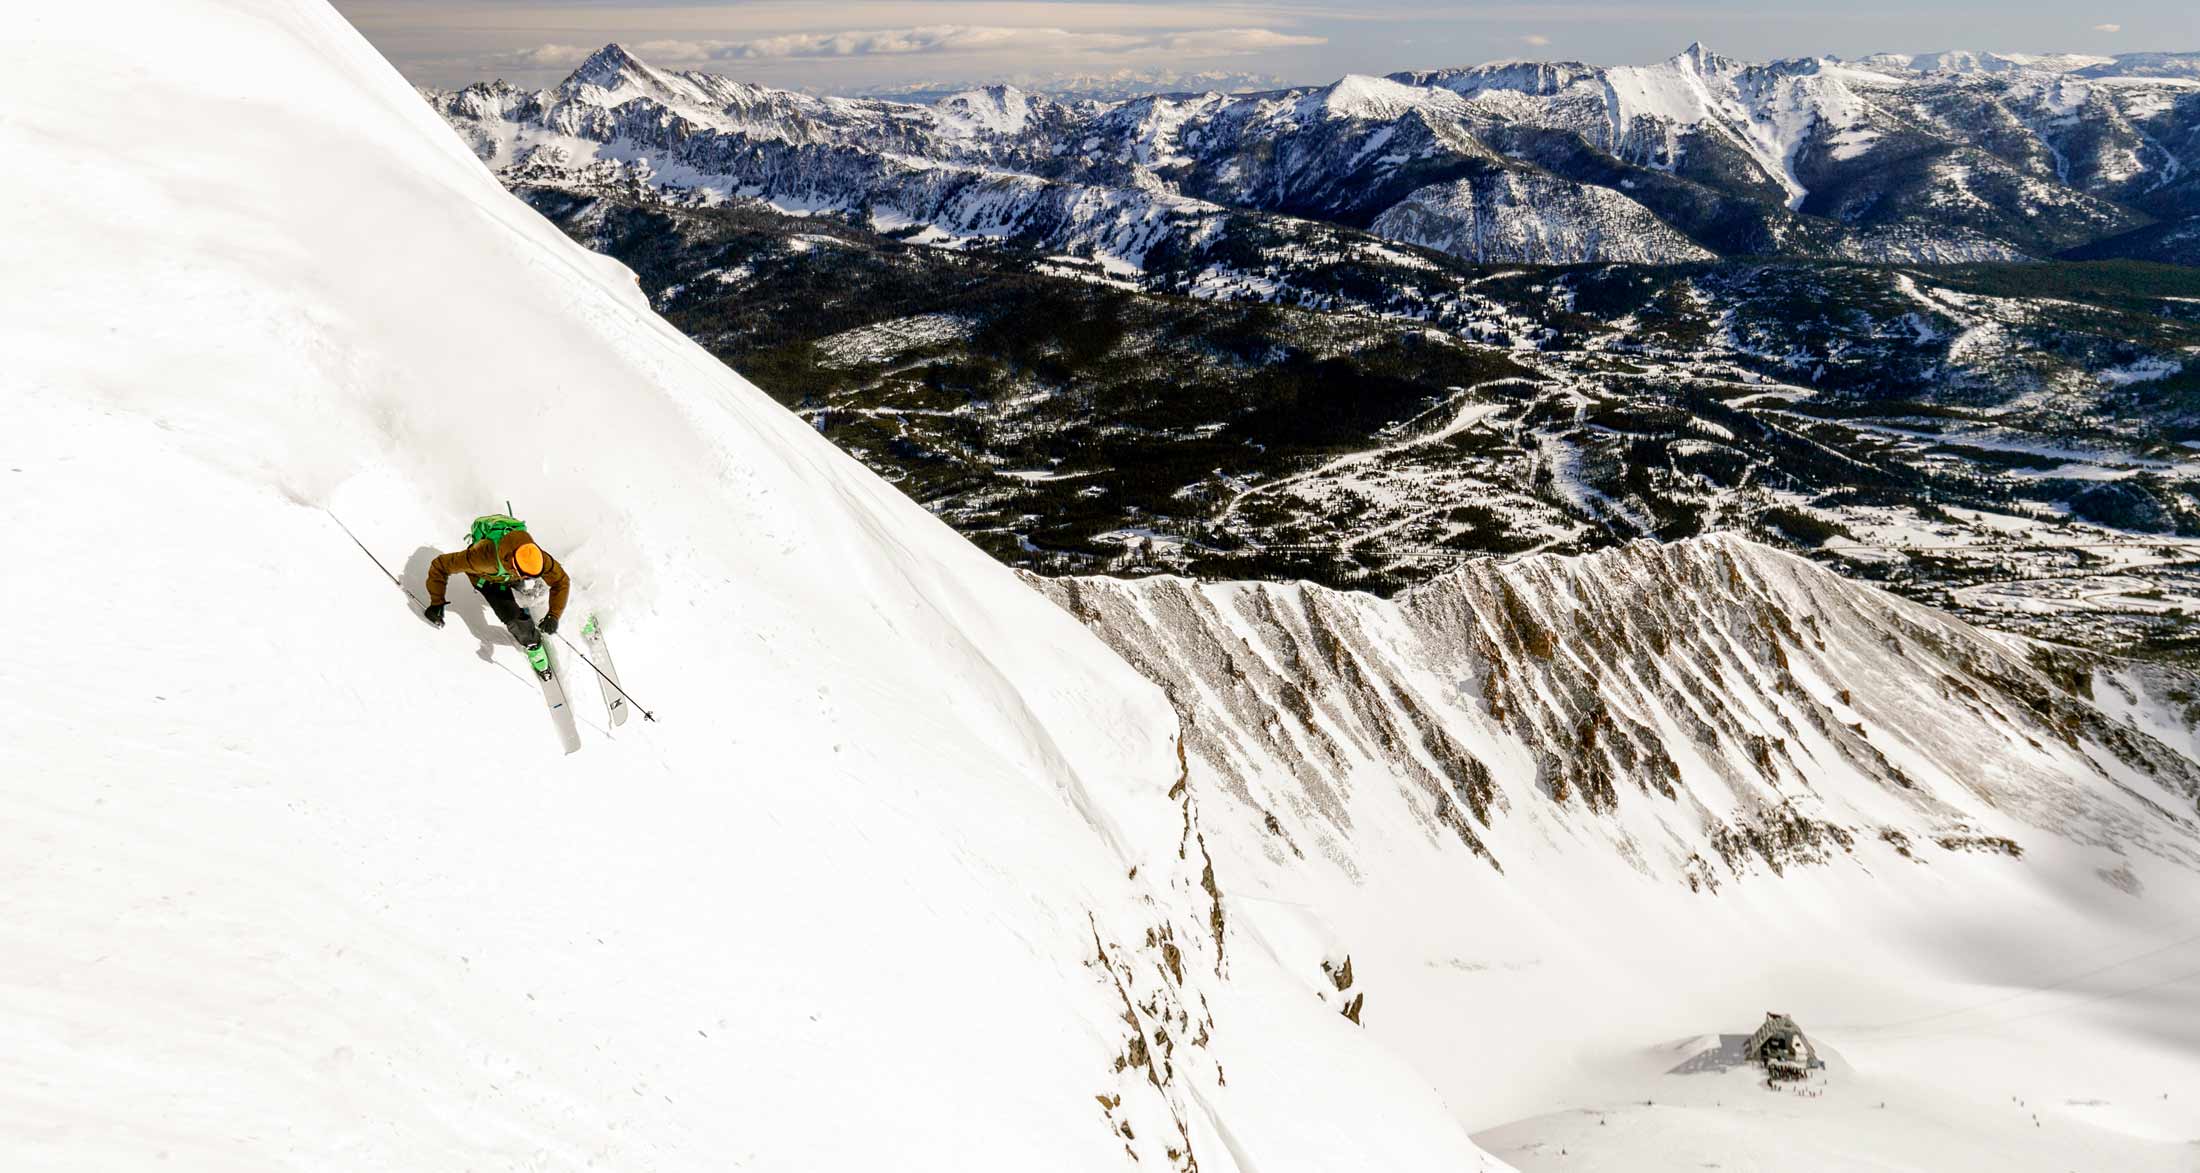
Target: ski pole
(646,715)
(394,580)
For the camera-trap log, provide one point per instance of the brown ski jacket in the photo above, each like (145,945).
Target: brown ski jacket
(480,561)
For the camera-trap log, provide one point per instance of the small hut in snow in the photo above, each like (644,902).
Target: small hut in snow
(1780,1048)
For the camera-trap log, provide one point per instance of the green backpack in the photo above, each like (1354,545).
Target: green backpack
(491,527)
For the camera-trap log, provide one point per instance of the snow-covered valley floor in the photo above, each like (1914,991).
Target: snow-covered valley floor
(915,871)
(1666,1117)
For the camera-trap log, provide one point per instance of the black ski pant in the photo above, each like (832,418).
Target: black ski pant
(514,617)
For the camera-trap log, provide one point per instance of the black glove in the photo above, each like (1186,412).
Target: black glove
(549,625)
(434,614)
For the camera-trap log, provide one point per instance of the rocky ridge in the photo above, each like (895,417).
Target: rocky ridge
(1927,159)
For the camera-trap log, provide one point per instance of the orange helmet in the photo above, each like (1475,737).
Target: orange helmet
(529,559)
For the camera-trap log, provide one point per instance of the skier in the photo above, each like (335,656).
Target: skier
(502,557)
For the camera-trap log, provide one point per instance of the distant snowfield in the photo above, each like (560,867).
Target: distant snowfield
(910,874)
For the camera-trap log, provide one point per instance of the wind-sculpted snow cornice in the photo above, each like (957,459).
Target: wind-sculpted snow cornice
(1710,708)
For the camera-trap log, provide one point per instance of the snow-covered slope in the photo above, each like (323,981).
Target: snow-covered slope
(1579,812)
(915,872)
(1513,215)
(1717,709)
(1862,145)
(290,880)
(1770,112)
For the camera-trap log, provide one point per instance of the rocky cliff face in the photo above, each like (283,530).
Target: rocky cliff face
(1710,710)
(1652,785)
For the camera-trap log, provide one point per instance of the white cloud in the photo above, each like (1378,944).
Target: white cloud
(2108,28)
(878,42)
(541,57)
(1537,39)
(944,39)
(1230,42)
(998,39)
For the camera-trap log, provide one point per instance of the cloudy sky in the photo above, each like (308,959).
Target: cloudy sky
(856,46)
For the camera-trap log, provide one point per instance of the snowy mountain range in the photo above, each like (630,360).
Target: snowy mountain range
(1938,157)
(925,865)
(2009,441)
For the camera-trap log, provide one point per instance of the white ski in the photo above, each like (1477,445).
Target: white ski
(561,713)
(614,703)
(553,685)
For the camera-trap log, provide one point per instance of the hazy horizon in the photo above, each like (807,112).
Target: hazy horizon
(872,45)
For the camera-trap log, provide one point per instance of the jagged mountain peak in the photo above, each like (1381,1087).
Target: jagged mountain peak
(612,75)
(607,67)
(1700,59)
(995,92)
(1782,154)
(1536,78)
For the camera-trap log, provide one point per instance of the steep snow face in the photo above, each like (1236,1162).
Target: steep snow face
(1366,99)
(1647,113)
(1530,218)
(1661,789)
(1771,111)
(293,880)
(991,110)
